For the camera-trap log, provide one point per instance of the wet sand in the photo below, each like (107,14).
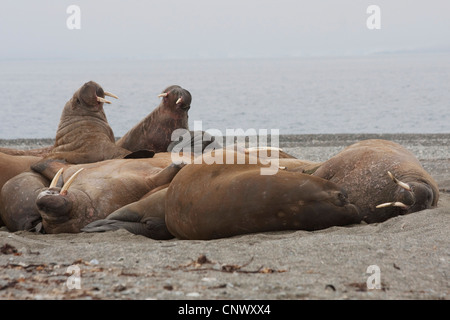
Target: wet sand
(411,252)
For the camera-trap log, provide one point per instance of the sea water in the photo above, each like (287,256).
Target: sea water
(403,93)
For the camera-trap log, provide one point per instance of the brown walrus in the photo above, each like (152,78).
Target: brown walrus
(18,201)
(147,216)
(83,134)
(208,201)
(154,132)
(18,196)
(382,178)
(11,166)
(98,189)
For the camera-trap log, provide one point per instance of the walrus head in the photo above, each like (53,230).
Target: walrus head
(91,97)
(154,132)
(408,198)
(56,205)
(176,98)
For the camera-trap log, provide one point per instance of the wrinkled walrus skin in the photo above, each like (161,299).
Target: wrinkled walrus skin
(209,201)
(154,132)
(83,134)
(362,170)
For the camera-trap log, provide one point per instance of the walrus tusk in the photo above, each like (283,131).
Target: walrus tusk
(392,204)
(69,182)
(165,94)
(100,99)
(109,94)
(401,184)
(56,178)
(179,100)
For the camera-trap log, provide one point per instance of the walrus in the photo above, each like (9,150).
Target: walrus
(18,201)
(11,166)
(147,216)
(93,191)
(83,134)
(154,132)
(382,178)
(209,201)
(18,196)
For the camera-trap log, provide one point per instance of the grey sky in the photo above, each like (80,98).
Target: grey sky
(218,29)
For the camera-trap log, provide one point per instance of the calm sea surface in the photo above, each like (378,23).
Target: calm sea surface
(374,94)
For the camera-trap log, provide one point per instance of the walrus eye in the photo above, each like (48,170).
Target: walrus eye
(342,197)
(78,101)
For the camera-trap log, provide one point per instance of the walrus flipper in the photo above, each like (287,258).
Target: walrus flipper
(145,217)
(154,228)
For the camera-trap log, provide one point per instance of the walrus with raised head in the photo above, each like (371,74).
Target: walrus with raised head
(83,134)
(154,132)
(382,178)
(208,201)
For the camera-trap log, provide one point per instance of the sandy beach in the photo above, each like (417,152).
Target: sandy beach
(411,253)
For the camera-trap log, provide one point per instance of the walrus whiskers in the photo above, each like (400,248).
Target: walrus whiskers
(400,183)
(56,178)
(69,182)
(392,204)
(109,94)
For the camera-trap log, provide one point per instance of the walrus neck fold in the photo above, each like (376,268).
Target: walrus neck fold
(154,132)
